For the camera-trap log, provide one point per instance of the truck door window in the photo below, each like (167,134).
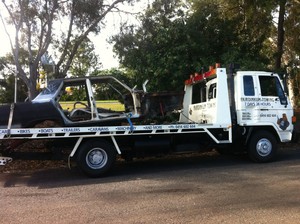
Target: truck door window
(199,93)
(267,86)
(248,85)
(270,86)
(212,91)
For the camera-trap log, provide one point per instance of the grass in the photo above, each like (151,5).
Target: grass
(107,104)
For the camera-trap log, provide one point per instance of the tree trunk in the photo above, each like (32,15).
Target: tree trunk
(32,92)
(280,34)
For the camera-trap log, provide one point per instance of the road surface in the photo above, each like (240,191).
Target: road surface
(205,188)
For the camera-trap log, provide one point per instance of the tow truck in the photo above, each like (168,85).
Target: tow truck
(222,109)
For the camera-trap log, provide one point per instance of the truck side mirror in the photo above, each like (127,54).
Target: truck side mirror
(285,81)
(283,100)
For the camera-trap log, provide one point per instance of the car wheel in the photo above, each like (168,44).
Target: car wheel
(96,157)
(262,147)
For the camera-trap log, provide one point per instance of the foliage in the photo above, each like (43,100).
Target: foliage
(291,53)
(113,90)
(251,23)
(176,39)
(7,82)
(7,91)
(155,50)
(84,60)
(32,22)
(123,76)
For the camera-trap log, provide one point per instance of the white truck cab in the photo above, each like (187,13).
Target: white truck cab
(261,101)
(252,103)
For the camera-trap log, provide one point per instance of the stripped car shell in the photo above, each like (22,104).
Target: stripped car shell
(87,97)
(48,105)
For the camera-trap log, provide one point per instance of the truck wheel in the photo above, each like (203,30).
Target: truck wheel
(262,147)
(96,157)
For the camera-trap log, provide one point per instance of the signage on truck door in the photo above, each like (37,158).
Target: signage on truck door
(263,100)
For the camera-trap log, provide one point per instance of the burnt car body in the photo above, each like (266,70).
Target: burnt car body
(85,96)
(48,105)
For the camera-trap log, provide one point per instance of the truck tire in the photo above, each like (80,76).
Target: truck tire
(96,157)
(262,147)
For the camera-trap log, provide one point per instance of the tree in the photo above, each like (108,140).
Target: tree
(248,25)
(290,62)
(176,39)
(123,76)
(280,34)
(33,22)
(7,82)
(158,49)
(84,60)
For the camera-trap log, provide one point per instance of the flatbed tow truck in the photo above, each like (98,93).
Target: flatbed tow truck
(246,111)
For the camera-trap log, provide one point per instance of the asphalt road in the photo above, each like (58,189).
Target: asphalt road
(188,189)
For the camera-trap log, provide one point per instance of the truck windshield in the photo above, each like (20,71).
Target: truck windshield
(270,86)
(49,92)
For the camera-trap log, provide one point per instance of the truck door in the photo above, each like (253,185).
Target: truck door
(275,102)
(264,102)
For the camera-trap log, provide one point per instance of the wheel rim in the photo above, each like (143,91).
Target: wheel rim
(264,147)
(96,158)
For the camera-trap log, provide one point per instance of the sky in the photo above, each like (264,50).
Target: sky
(103,48)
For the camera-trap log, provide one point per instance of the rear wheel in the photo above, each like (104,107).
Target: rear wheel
(262,147)
(96,157)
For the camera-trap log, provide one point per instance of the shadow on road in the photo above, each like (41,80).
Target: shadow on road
(151,168)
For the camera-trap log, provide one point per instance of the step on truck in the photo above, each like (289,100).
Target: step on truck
(222,109)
